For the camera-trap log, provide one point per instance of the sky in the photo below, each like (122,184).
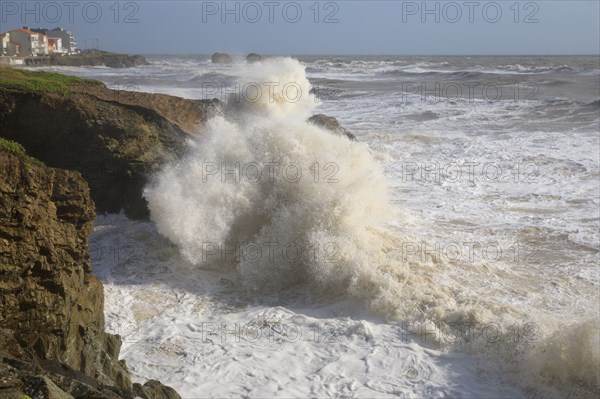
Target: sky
(319,27)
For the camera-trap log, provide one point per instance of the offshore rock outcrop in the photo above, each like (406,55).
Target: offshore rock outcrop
(331,124)
(254,57)
(221,58)
(52,339)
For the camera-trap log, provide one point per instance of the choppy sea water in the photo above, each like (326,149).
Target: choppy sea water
(451,252)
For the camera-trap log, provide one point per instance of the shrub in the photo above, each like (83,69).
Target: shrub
(14,80)
(17,149)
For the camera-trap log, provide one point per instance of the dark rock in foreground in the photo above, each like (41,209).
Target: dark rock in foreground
(52,339)
(221,58)
(331,124)
(253,57)
(154,390)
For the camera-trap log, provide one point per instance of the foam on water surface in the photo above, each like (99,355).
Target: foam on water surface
(398,314)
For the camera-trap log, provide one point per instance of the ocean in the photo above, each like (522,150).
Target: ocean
(451,251)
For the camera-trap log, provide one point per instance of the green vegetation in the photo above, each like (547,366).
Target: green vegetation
(23,81)
(17,149)
(12,146)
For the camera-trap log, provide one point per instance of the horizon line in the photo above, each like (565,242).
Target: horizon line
(370,55)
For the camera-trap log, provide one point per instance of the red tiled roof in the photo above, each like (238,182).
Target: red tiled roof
(28,32)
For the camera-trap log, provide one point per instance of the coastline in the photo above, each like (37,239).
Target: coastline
(94,58)
(116,140)
(136,293)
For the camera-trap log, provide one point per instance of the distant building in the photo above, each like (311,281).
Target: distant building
(4,40)
(8,48)
(30,43)
(69,45)
(55,45)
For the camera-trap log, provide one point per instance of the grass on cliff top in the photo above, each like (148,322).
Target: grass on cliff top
(17,149)
(23,81)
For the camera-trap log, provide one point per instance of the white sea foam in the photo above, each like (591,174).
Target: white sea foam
(310,191)
(545,309)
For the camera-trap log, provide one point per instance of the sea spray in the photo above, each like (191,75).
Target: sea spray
(286,203)
(307,202)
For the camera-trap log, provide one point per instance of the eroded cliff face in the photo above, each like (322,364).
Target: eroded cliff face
(115,139)
(52,335)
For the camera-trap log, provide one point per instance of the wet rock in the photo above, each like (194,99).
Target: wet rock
(331,124)
(254,57)
(155,390)
(221,58)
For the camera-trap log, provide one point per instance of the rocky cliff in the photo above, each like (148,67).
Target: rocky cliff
(115,139)
(52,338)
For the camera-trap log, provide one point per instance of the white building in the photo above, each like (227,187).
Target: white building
(30,43)
(69,44)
